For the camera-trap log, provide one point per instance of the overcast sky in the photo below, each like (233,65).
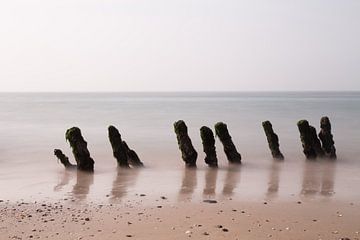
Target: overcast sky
(179,45)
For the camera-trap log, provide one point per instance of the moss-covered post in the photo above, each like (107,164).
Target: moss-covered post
(310,142)
(79,149)
(188,152)
(273,140)
(119,151)
(63,159)
(133,158)
(231,153)
(326,137)
(304,129)
(208,141)
(316,142)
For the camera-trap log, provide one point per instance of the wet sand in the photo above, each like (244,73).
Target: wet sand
(141,218)
(283,200)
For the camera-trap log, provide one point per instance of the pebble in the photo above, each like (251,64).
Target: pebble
(210,201)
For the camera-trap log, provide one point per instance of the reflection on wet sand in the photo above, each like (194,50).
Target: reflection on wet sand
(189,182)
(231,180)
(274,179)
(210,182)
(328,178)
(318,177)
(82,185)
(125,178)
(65,179)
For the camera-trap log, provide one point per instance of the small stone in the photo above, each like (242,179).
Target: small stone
(129,235)
(87,219)
(206,233)
(209,201)
(225,230)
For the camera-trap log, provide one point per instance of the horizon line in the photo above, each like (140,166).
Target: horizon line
(195,91)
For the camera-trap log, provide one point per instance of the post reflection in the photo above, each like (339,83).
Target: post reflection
(82,186)
(66,176)
(189,182)
(318,178)
(274,179)
(210,182)
(125,178)
(328,178)
(232,179)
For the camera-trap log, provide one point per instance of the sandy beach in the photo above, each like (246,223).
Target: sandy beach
(260,199)
(162,219)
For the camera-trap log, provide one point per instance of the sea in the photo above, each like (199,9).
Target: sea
(32,125)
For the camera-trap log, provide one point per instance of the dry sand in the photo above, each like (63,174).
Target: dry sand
(141,218)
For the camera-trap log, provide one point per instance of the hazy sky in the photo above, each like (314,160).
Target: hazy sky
(179,45)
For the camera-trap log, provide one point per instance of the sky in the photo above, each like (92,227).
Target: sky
(179,45)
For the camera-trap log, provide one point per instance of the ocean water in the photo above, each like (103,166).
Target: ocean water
(33,124)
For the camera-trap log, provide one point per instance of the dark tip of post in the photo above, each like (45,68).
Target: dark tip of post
(79,149)
(63,159)
(188,152)
(119,150)
(208,141)
(230,150)
(310,142)
(273,140)
(133,158)
(326,137)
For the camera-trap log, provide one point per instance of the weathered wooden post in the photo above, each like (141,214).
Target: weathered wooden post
(273,140)
(305,138)
(119,150)
(310,142)
(133,158)
(63,159)
(79,149)
(326,137)
(232,154)
(208,141)
(316,142)
(188,152)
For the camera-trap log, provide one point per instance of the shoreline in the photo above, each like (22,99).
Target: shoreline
(163,219)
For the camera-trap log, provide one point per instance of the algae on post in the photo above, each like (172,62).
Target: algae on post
(230,150)
(188,152)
